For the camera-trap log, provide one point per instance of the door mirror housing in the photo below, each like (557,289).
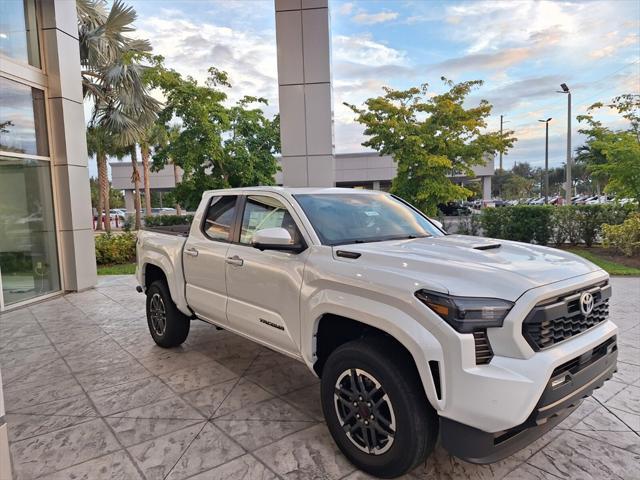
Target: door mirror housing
(275,239)
(437,223)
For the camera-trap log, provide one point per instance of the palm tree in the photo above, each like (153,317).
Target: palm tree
(155,135)
(100,144)
(112,75)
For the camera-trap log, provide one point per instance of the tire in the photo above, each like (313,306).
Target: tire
(377,361)
(173,331)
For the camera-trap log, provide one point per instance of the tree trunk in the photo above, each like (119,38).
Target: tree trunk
(144,151)
(100,198)
(175,178)
(135,179)
(103,189)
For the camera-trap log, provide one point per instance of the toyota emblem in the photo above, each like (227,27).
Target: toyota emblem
(586,303)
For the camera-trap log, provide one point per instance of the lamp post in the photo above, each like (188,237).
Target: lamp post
(546,159)
(565,89)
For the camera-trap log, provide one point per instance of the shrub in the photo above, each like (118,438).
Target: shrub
(470,225)
(115,248)
(168,220)
(565,226)
(625,237)
(522,223)
(493,221)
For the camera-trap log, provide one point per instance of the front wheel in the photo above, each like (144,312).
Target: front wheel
(376,409)
(169,327)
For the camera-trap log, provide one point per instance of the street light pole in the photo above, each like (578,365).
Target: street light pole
(569,185)
(501,116)
(546,159)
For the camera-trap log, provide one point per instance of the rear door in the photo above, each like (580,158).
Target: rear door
(204,258)
(263,287)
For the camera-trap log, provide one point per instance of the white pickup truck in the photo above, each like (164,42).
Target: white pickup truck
(414,333)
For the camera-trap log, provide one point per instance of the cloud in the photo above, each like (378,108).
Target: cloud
(374,18)
(346,8)
(483,61)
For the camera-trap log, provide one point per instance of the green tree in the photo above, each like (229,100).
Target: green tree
(430,137)
(116,197)
(102,143)
(518,187)
(113,77)
(217,146)
(620,149)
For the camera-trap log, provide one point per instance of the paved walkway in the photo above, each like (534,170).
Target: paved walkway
(89,396)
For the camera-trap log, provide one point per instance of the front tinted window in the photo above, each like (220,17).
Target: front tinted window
(263,212)
(357,218)
(220,217)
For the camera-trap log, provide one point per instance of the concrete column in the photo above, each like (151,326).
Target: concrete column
(304,81)
(5,460)
(129,204)
(486,189)
(376,185)
(69,148)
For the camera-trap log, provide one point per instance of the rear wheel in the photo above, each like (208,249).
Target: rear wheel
(376,409)
(168,326)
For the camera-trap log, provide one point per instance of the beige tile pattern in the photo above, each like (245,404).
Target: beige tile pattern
(89,396)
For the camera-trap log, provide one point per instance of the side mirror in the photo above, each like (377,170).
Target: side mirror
(436,223)
(275,239)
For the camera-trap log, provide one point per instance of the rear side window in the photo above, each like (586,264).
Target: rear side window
(220,217)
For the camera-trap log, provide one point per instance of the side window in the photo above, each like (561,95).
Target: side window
(262,212)
(220,217)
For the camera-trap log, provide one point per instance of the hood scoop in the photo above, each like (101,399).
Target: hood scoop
(486,246)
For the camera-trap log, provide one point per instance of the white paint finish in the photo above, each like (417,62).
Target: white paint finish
(74,197)
(292,120)
(486,188)
(378,289)
(294,171)
(318,116)
(60,14)
(68,139)
(321,170)
(78,259)
(62,59)
(289,47)
(287,5)
(315,29)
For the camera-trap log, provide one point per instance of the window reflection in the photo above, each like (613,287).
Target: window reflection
(28,256)
(22,119)
(19,32)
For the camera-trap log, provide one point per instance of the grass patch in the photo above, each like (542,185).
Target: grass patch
(610,266)
(123,269)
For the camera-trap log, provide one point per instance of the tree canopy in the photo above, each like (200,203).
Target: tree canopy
(614,154)
(217,146)
(430,138)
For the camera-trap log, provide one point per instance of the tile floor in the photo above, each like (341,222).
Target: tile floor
(89,396)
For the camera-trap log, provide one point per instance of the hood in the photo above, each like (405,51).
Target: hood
(473,266)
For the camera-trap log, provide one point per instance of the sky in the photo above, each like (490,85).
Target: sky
(521,49)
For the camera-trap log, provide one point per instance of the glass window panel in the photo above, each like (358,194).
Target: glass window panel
(220,218)
(19,31)
(23,126)
(28,255)
(266,212)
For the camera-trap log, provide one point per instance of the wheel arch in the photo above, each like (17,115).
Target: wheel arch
(334,329)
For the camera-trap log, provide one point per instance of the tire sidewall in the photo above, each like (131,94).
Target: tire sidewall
(407,419)
(177,324)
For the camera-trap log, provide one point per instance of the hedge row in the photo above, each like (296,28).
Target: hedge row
(546,224)
(115,248)
(168,220)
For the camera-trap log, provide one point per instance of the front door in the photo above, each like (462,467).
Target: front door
(263,287)
(204,259)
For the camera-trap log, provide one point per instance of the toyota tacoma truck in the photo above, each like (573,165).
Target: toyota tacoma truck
(415,334)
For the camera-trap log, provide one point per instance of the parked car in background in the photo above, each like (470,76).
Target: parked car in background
(413,333)
(454,209)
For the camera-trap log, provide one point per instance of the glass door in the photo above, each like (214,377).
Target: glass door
(28,253)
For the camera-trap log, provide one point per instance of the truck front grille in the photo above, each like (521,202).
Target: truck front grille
(557,320)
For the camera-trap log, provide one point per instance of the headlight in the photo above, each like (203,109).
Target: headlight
(466,314)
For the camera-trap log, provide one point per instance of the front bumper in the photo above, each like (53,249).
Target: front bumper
(569,384)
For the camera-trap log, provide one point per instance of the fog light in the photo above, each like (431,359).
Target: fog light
(559,381)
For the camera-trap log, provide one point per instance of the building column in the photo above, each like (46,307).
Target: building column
(304,81)
(129,204)
(69,147)
(486,189)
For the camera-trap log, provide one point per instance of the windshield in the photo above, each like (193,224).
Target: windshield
(344,218)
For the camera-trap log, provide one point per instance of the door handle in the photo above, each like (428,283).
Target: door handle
(191,252)
(235,260)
